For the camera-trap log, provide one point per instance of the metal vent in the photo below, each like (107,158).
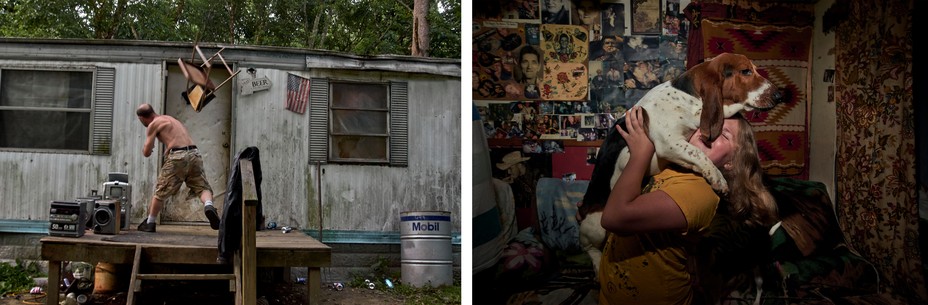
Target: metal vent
(104,90)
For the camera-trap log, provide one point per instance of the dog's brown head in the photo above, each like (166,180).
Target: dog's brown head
(726,84)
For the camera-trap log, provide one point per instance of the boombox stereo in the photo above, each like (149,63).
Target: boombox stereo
(67,218)
(87,205)
(106,217)
(117,187)
(122,191)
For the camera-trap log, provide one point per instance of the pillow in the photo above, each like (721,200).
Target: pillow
(807,214)
(839,272)
(525,261)
(557,209)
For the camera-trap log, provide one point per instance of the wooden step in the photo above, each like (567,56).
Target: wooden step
(186,277)
(137,278)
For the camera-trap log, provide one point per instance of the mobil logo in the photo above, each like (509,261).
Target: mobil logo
(425,226)
(426,223)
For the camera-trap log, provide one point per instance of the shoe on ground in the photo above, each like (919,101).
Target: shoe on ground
(145,226)
(213,216)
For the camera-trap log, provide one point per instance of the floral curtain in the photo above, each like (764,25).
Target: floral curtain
(876,186)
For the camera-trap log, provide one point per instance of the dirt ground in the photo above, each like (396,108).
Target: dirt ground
(280,294)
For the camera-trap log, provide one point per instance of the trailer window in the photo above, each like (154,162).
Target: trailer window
(47,110)
(359,118)
(359,122)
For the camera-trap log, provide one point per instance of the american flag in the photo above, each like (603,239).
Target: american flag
(297,93)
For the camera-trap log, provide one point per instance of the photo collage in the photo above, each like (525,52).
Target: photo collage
(548,71)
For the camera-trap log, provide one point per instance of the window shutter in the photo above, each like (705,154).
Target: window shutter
(104,87)
(319,119)
(399,124)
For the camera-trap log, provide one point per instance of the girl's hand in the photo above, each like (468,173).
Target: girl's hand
(639,144)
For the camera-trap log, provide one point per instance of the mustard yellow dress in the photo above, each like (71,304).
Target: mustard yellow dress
(650,268)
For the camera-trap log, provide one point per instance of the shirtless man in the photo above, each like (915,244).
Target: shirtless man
(182,164)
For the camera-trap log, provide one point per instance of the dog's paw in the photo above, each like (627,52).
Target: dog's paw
(719,185)
(717,181)
(596,256)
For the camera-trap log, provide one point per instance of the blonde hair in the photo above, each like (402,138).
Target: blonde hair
(748,198)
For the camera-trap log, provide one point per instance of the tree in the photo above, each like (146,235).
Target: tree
(445,29)
(420,28)
(364,27)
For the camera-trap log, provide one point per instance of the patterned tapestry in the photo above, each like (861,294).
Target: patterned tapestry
(875,176)
(781,53)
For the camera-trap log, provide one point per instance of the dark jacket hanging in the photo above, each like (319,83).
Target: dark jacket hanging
(230,228)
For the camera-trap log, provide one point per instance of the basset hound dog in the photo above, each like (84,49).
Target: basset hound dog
(702,97)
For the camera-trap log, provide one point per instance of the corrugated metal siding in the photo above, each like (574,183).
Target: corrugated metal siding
(359,197)
(261,120)
(354,197)
(31,180)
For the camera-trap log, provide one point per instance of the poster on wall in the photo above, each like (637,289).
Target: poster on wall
(643,74)
(566,50)
(588,13)
(547,126)
(673,48)
(673,19)
(609,48)
(507,62)
(638,48)
(643,67)
(523,11)
(646,17)
(607,88)
(555,11)
(565,81)
(613,17)
(564,43)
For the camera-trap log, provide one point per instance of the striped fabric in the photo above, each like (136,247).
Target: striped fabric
(493,203)
(483,170)
(297,93)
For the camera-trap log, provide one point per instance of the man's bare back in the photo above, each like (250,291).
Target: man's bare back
(184,159)
(169,131)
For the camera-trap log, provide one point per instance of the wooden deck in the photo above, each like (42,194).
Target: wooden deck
(174,244)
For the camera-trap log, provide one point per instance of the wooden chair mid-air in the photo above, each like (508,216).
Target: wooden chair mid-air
(200,88)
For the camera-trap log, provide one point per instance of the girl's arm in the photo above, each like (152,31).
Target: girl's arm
(628,211)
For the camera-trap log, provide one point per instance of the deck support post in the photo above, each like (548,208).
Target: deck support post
(249,253)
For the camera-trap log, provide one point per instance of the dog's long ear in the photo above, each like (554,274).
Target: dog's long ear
(709,80)
(685,82)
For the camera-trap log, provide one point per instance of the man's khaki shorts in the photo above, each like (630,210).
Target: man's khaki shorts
(185,166)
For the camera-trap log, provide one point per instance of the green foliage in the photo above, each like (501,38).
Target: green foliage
(380,270)
(364,27)
(431,295)
(17,278)
(445,21)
